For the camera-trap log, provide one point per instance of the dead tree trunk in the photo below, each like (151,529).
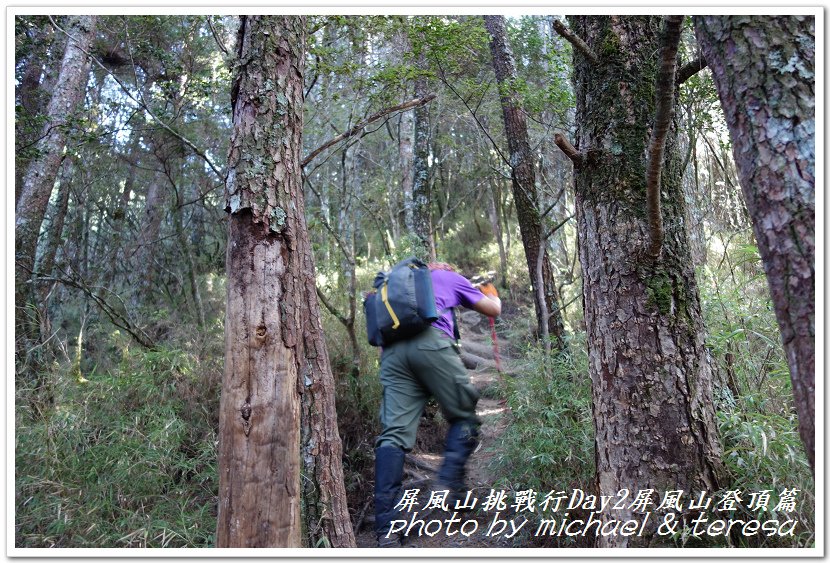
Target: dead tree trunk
(524,184)
(651,378)
(764,70)
(276,364)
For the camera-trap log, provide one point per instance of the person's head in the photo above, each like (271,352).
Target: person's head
(440,266)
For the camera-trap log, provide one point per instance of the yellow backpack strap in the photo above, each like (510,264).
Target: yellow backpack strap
(385,298)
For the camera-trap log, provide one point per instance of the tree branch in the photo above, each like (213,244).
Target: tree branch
(115,317)
(689,69)
(473,113)
(216,36)
(570,151)
(575,40)
(664,94)
(371,119)
(558,226)
(333,310)
(144,106)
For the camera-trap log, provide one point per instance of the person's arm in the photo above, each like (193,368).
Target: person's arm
(490,304)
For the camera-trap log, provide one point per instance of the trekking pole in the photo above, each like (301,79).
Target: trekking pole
(495,343)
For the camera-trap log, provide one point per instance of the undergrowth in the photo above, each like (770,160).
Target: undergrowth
(549,444)
(756,415)
(550,441)
(125,459)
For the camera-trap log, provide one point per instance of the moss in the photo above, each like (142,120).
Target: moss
(610,46)
(660,291)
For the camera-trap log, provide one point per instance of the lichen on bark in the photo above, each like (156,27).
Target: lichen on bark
(651,380)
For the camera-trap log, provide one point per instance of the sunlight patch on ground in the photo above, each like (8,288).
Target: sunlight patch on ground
(491,411)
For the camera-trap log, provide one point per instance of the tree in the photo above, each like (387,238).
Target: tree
(764,71)
(277,403)
(35,66)
(43,169)
(651,379)
(421,226)
(521,160)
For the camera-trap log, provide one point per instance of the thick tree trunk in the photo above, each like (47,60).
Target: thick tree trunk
(524,184)
(40,176)
(764,70)
(276,364)
(651,377)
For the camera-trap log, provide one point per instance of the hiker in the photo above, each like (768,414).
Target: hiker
(412,370)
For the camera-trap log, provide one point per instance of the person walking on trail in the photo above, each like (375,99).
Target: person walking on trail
(412,370)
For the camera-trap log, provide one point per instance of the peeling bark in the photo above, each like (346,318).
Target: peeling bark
(277,414)
(764,71)
(651,376)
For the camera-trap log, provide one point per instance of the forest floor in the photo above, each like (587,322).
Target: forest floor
(423,462)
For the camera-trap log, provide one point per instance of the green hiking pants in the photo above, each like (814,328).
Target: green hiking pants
(412,370)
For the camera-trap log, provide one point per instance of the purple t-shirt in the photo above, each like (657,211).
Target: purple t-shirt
(452,290)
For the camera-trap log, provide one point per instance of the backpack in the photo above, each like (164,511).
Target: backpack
(402,303)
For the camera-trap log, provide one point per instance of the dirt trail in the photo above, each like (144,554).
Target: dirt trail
(423,462)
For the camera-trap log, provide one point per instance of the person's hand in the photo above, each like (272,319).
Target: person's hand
(489,290)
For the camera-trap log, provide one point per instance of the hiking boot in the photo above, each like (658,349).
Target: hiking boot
(462,439)
(388,476)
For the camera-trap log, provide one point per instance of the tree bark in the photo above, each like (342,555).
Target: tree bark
(651,377)
(40,176)
(493,215)
(524,183)
(665,92)
(276,364)
(421,216)
(31,95)
(407,128)
(764,71)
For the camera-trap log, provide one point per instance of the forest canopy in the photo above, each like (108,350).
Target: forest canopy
(202,203)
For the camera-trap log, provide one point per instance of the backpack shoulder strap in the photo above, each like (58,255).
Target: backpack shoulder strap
(455,333)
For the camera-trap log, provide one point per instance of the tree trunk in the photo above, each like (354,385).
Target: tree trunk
(32,96)
(421,216)
(115,256)
(524,184)
(764,70)
(189,265)
(493,215)
(405,155)
(40,176)
(276,364)
(651,377)
(147,243)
